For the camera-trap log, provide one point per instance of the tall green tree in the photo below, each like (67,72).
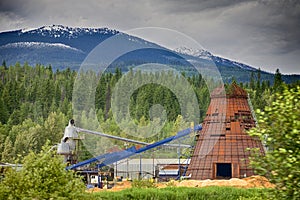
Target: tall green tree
(252,81)
(279,128)
(54,127)
(8,154)
(29,140)
(258,82)
(277,80)
(4,112)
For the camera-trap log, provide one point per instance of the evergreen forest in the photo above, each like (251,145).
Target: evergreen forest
(36,104)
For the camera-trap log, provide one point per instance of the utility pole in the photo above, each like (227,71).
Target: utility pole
(140,173)
(116,169)
(127,170)
(179,154)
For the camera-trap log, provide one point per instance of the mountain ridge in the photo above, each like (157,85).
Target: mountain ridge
(63,46)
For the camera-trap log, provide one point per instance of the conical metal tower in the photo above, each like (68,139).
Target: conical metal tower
(221,148)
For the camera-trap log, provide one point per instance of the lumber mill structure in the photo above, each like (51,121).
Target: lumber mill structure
(221,148)
(220,151)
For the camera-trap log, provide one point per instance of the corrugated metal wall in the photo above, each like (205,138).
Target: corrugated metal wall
(131,167)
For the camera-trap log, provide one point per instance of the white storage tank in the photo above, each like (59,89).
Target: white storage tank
(63,149)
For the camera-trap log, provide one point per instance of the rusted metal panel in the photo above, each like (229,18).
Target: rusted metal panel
(235,170)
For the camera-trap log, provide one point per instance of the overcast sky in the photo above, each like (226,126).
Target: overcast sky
(263,34)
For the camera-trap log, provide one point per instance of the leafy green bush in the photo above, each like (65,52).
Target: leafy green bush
(43,176)
(279,127)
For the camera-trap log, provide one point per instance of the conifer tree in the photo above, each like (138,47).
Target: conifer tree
(277,80)
(8,151)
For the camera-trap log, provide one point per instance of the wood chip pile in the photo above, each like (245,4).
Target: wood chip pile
(249,182)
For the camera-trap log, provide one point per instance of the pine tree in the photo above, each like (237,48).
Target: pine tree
(100,93)
(258,80)
(252,84)
(277,80)
(4,112)
(8,153)
(54,126)
(107,100)
(4,64)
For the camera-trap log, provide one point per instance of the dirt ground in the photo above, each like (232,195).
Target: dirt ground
(249,182)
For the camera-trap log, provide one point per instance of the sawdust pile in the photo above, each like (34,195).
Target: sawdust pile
(249,182)
(121,186)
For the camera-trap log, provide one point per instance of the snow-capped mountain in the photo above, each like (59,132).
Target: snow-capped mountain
(62,47)
(83,39)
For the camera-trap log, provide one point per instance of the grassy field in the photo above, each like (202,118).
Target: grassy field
(207,193)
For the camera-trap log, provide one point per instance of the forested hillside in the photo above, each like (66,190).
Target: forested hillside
(36,103)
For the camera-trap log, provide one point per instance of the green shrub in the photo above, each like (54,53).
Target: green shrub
(43,176)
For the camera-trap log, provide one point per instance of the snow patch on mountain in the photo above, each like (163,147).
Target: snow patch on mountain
(25,30)
(225,61)
(203,54)
(38,45)
(199,53)
(68,32)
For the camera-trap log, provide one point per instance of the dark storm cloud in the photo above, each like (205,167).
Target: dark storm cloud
(263,33)
(7,5)
(18,6)
(258,32)
(201,5)
(281,23)
(275,20)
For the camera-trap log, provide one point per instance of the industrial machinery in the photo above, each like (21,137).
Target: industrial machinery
(69,146)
